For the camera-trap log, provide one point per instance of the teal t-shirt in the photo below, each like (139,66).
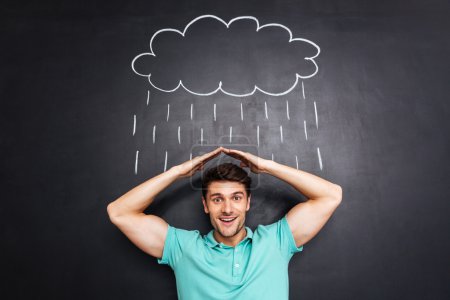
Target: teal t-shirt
(256,268)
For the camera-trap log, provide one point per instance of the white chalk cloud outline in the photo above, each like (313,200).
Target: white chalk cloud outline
(219,88)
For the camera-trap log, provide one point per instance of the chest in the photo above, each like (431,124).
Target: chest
(232,265)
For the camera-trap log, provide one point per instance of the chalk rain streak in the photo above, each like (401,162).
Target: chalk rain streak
(266,115)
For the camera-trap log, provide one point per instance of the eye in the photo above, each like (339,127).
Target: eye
(237,198)
(218,199)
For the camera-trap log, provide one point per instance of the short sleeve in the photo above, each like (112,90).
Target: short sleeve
(285,239)
(177,242)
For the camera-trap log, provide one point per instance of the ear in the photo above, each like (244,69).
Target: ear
(205,207)
(248,203)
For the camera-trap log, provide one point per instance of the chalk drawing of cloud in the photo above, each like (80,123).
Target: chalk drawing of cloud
(236,58)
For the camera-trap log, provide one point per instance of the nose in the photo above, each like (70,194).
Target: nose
(227,207)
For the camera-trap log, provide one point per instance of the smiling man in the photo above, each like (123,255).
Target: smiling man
(226,198)
(231,261)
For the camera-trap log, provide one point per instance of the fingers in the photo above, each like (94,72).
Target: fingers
(213,153)
(244,157)
(203,159)
(234,153)
(198,166)
(243,165)
(247,159)
(237,154)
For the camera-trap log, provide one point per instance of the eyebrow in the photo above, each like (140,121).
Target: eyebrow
(219,194)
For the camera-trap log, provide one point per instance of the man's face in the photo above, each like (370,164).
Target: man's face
(225,200)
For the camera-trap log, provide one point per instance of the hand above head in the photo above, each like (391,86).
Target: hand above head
(248,160)
(189,167)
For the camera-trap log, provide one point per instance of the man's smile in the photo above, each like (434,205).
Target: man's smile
(227,221)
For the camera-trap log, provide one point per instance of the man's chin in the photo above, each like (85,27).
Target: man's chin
(228,231)
(224,232)
(229,234)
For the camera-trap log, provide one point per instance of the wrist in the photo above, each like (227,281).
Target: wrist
(174,172)
(268,166)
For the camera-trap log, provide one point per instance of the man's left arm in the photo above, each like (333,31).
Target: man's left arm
(306,219)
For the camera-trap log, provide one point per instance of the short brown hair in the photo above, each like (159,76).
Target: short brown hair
(228,172)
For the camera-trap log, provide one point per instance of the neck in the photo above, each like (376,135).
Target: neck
(231,241)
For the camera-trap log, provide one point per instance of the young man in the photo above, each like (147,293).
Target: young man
(231,261)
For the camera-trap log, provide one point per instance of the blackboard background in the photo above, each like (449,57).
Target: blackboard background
(68,97)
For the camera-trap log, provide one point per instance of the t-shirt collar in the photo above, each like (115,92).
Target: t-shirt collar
(211,241)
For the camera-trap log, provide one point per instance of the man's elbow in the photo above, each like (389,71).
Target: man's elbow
(337,194)
(112,212)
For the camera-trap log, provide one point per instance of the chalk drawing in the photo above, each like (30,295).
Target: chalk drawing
(136,162)
(315,110)
(287,110)
(303,90)
(254,88)
(168,111)
(306,134)
(201,136)
(165,162)
(265,109)
(281,133)
(320,158)
(134,125)
(257,134)
(219,88)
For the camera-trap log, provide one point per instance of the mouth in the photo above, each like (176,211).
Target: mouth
(227,221)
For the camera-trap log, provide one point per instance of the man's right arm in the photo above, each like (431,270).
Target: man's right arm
(148,232)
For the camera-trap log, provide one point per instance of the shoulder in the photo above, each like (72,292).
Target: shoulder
(177,243)
(183,236)
(268,230)
(272,227)
(280,234)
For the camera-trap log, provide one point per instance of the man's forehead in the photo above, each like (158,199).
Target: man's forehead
(226,187)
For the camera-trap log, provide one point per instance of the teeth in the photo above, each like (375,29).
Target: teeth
(228,219)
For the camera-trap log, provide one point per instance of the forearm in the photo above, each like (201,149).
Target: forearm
(313,187)
(139,198)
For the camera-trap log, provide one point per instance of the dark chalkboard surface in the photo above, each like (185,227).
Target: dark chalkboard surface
(354,92)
